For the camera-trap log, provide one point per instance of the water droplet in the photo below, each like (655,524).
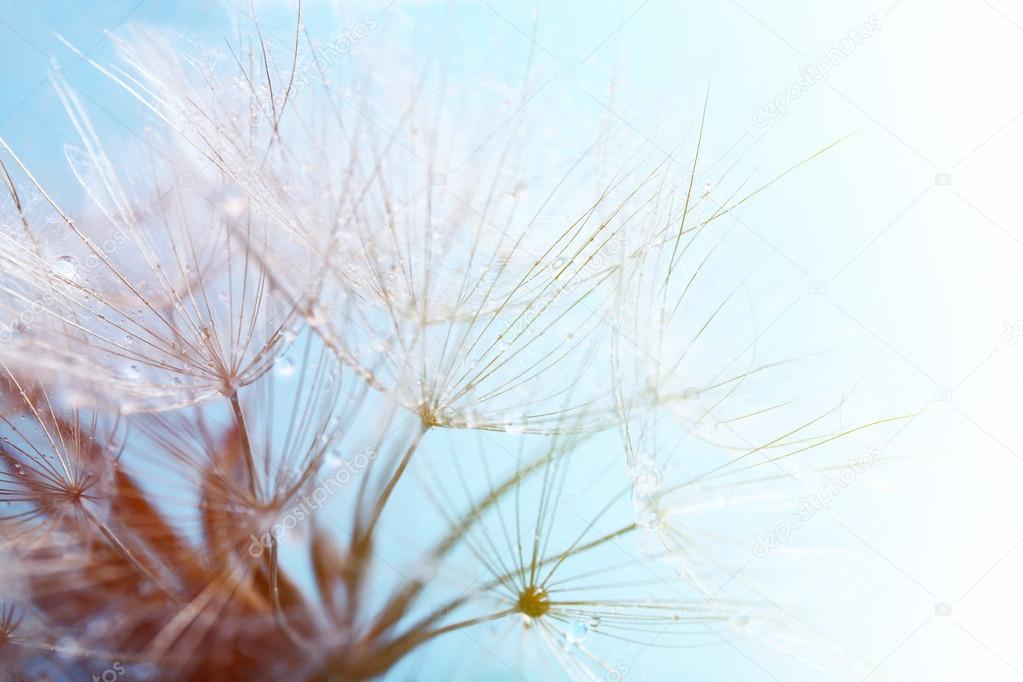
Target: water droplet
(66,267)
(515,425)
(648,519)
(233,205)
(576,632)
(317,316)
(284,368)
(739,620)
(641,467)
(646,478)
(67,645)
(132,372)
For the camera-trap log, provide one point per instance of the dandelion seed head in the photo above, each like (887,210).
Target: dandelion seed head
(533,602)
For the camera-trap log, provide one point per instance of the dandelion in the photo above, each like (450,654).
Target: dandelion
(160,300)
(331,379)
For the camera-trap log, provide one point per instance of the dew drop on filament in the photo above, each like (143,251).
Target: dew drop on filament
(576,632)
(515,425)
(65,267)
(739,620)
(284,368)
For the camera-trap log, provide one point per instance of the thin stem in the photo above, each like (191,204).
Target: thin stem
(105,530)
(385,495)
(239,417)
(275,597)
(423,637)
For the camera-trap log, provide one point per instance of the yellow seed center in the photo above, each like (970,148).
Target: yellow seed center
(534,601)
